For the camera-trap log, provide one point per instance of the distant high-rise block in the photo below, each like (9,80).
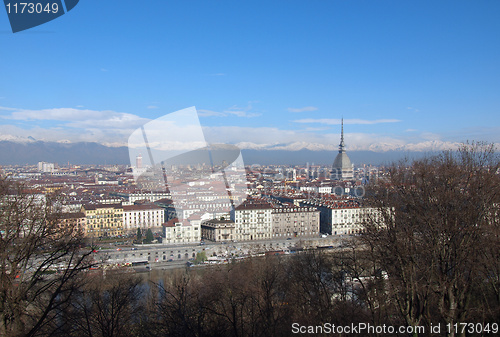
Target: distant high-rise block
(46,167)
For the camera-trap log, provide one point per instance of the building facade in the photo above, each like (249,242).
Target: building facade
(182,231)
(152,196)
(75,221)
(295,222)
(218,230)
(343,217)
(103,220)
(46,167)
(253,220)
(143,216)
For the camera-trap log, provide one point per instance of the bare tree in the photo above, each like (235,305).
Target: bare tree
(436,233)
(180,305)
(271,298)
(363,285)
(108,305)
(40,261)
(313,285)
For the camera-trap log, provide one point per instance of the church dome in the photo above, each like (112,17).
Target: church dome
(342,161)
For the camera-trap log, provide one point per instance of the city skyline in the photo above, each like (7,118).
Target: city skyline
(280,76)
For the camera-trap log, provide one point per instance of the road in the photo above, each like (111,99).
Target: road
(175,256)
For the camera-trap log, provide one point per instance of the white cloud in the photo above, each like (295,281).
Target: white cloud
(336,121)
(310,129)
(6,108)
(210,113)
(106,137)
(152,107)
(79,118)
(430,136)
(257,135)
(234,110)
(304,109)
(242,112)
(69,124)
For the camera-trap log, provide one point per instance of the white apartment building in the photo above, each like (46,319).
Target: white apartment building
(341,217)
(182,231)
(46,167)
(349,220)
(186,208)
(253,220)
(182,211)
(149,196)
(143,216)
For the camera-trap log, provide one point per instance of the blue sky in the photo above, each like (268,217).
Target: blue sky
(413,75)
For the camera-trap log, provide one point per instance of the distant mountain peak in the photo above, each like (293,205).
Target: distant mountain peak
(17,139)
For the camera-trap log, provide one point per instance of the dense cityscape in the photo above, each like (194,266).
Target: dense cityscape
(333,236)
(278,208)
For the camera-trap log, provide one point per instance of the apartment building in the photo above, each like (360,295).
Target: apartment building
(295,222)
(218,230)
(143,216)
(339,217)
(253,220)
(103,220)
(182,231)
(75,221)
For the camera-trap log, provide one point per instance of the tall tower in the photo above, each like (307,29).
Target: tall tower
(138,161)
(342,167)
